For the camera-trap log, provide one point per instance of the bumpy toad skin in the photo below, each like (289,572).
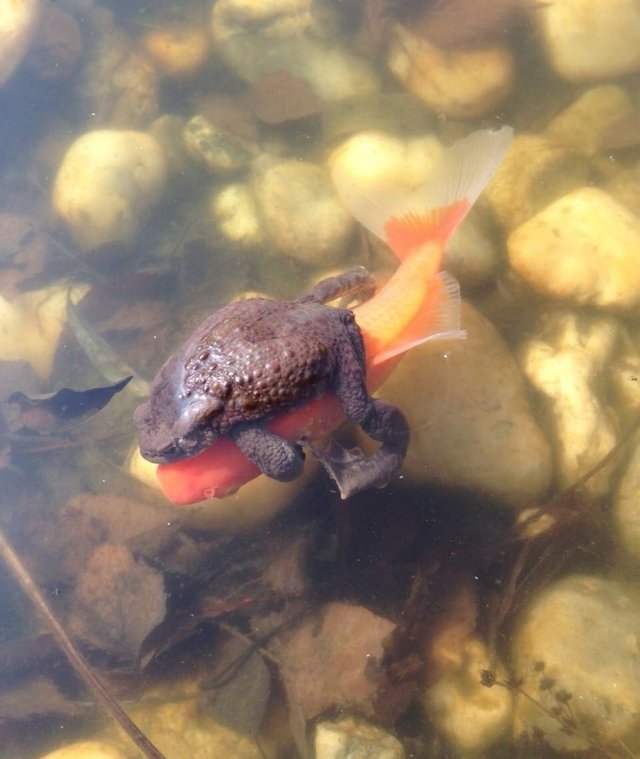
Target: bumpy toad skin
(256,357)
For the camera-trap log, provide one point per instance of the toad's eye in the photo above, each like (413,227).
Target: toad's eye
(197,411)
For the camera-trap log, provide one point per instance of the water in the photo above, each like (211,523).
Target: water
(485,602)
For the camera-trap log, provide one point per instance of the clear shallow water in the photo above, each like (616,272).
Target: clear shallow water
(426,565)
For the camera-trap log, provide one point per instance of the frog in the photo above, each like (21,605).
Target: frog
(258,357)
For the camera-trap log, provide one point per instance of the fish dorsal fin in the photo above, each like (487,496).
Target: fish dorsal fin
(406,218)
(441,321)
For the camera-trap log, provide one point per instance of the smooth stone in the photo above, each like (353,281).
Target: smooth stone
(354,738)
(567,363)
(582,125)
(235,214)
(536,171)
(590,40)
(220,151)
(106,184)
(467,714)
(461,84)
(177,51)
(584,248)
(578,638)
(301,213)
(87,750)
(471,422)
(18,26)
(31,324)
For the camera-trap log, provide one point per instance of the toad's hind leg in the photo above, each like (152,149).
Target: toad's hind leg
(355,283)
(351,469)
(273,455)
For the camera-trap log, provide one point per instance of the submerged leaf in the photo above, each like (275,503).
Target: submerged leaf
(102,355)
(118,601)
(55,412)
(335,661)
(279,96)
(34,699)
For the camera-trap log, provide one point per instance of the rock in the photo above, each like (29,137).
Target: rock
(255,38)
(177,51)
(31,324)
(625,187)
(583,247)
(582,125)
(117,85)
(301,213)
(58,45)
(471,256)
(106,184)
(381,158)
(353,738)
(461,84)
(220,151)
(468,715)
(535,172)
(590,40)
(575,651)
(236,215)
(471,423)
(567,363)
(87,750)
(625,512)
(18,25)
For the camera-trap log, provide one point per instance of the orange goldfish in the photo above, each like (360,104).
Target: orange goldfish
(418,303)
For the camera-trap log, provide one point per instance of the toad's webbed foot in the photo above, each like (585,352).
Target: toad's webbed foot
(273,455)
(354,284)
(352,470)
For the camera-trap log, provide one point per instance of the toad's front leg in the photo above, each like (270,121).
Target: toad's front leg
(273,455)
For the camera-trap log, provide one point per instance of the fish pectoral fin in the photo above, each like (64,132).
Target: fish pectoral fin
(440,320)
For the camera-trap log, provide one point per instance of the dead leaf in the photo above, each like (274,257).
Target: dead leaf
(459,23)
(117,602)
(59,411)
(334,660)
(279,96)
(35,698)
(25,254)
(238,687)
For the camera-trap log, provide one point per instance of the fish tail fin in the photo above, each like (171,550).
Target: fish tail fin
(407,218)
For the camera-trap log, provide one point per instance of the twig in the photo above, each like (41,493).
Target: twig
(76,659)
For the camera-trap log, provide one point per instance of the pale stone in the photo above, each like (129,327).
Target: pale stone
(106,184)
(177,51)
(567,363)
(467,714)
(462,84)
(469,415)
(354,738)
(379,158)
(31,324)
(584,247)
(221,151)
(301,213)
(255,38)
(18,25)
(87,750)
(535,171)
(582,125)
(579,638)
(236,216)
(590,40)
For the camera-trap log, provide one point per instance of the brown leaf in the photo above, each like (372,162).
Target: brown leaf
(458,23)
(279,96)
(117,602)
(334,659)
(35,698)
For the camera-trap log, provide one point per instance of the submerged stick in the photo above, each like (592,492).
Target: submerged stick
(76,659)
